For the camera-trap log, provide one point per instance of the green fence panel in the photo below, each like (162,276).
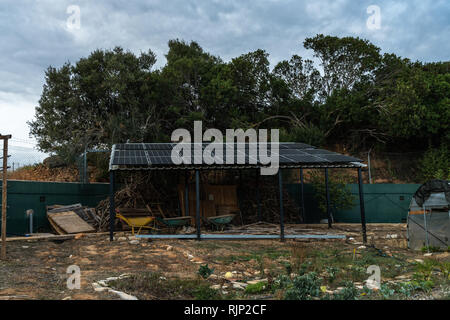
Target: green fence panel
(24,195)
(384,203)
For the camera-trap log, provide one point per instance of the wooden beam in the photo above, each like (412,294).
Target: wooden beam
(4,193)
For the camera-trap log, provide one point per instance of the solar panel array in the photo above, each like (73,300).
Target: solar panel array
(159,155)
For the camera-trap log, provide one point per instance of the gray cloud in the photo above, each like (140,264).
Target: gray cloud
(34,34)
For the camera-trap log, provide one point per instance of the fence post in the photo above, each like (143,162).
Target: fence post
(361,206)
(4,192)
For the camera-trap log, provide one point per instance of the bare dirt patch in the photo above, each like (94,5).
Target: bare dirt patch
(37,269)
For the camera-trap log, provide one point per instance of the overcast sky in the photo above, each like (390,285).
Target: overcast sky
(37,33)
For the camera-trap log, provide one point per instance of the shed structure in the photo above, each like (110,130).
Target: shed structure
(246,156)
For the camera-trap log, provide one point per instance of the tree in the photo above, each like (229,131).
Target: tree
(300,76)
(88,104)
(345,61)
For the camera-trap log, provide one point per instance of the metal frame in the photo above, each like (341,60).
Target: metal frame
(212,236)
(199,236)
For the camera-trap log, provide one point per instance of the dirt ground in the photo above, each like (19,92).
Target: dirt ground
(38,269)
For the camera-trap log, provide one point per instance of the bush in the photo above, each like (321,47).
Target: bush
(435,164)
(341,197)
(349,292)
(281,282)
(305,287)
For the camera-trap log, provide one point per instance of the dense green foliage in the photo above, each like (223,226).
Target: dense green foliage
(355,96)
(436,164)
(340,196)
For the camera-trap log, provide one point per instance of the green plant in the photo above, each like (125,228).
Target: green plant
(435,164)
(304,267)
(386,291)
(256,288)
(341,197)
(281,282)
(205,271)
(430,249)
(304,287)
(349,292)
(332,273)
(206,293)
(287,265)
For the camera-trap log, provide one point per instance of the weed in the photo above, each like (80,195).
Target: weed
(332,273)
(288,267)
(304,287)
(205,271)
(206,293)
(431,249)
(349,292)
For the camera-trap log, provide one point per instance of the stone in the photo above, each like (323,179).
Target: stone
(121,239)
(256,281)
(111,279)
(98,288)
(215,287)
(134,242)
(169,248)
(123,295)
(239,285)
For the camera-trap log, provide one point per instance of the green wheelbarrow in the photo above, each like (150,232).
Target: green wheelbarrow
(220,221)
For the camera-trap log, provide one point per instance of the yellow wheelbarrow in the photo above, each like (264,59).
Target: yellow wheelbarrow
(136,219)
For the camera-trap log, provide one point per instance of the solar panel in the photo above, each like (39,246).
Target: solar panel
(154,155)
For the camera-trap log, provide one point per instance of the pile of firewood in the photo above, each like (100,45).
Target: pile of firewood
(269,195)
(127,197)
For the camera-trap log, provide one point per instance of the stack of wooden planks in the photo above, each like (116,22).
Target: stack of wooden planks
(71,219)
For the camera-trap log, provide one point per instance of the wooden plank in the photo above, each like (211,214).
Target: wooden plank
(70,222)
(55,227)
(4,193)
(59,208)
(53,237)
